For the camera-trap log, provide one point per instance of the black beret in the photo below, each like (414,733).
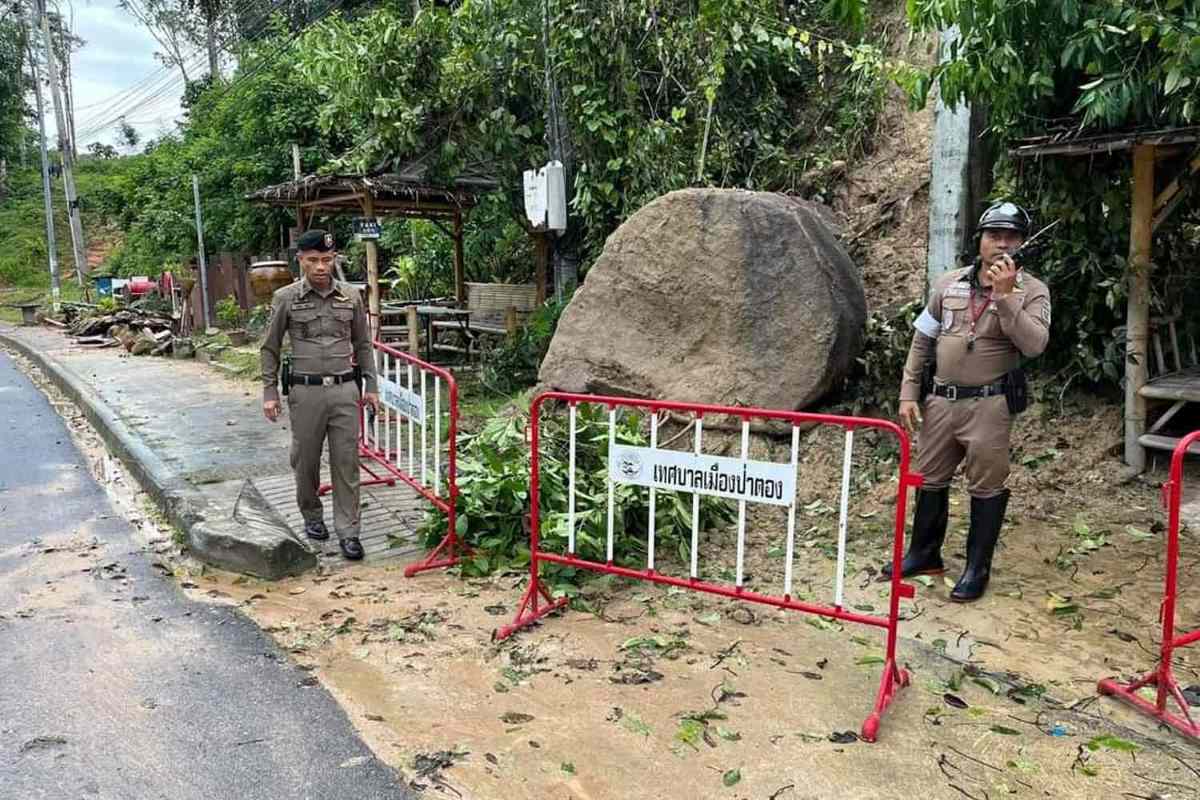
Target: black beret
(315,239)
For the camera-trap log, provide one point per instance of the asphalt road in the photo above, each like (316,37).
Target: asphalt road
(113,684)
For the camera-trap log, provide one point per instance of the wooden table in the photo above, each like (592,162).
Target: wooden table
(461,315)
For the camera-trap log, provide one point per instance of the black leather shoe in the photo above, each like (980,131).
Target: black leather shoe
(930,518)
(987,517)
(316,530)
(351,548)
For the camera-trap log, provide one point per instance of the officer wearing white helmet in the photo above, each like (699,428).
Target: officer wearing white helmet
(978,324)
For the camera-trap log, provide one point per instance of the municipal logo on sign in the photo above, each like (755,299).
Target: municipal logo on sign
(630,465)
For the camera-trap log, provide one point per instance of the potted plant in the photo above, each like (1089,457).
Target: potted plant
(229,315)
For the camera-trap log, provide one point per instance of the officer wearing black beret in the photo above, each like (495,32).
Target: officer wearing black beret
(327,325)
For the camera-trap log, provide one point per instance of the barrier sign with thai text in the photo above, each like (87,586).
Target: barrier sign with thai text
(406,403)
(673,470)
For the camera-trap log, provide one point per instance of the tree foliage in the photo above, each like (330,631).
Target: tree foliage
(14,83)
(658,95)
(1112,64)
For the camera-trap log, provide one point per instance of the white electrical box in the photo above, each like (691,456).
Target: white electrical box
(556,196)
(546,197)
(535,197)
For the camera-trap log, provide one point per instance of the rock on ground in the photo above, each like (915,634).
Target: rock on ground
(717,296)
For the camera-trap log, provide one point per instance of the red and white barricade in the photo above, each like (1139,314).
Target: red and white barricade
(1162,678)
(629,465)
(414,431)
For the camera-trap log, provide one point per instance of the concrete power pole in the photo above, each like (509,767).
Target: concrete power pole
(203,258)
(51,246)
(64,137)
(950,181)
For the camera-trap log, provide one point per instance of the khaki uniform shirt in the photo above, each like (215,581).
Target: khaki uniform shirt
(325,330)
(1013,326)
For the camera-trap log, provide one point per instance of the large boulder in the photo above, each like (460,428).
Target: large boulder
(715,296)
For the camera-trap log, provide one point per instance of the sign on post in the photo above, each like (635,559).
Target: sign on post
(365,228)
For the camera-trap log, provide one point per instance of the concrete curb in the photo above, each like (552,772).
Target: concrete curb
(184,506)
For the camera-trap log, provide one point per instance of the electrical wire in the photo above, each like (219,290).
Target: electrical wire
(151,89)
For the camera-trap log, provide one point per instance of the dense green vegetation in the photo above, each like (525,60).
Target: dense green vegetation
(645,96)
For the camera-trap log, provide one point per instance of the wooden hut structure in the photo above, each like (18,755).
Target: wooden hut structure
(1156,193)
(404,192)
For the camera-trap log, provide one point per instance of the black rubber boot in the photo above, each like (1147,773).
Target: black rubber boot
(987,517)
(316,530)
(351,548)
(924,555)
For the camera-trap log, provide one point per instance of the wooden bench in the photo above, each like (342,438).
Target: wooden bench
(496,308)
(1176,381)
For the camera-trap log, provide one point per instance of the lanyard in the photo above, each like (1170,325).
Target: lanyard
(974,318)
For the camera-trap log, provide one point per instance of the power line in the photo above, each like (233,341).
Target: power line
(154,86)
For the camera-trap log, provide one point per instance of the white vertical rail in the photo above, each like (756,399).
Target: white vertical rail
(791,525)
(412,450)
(653,498)
(571,487)
(387,414)
(437,434)
(374,426)
(696,507)
(841,556)
(364,424)
(612,437)
(400,421)
(741,540)
(424,435)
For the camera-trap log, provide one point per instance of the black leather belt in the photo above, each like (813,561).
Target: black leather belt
(321,380)
(952,392)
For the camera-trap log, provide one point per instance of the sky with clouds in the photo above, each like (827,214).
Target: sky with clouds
(116,73)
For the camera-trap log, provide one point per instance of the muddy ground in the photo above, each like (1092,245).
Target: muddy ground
(656,692)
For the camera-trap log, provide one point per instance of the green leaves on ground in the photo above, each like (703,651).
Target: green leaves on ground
(493,480)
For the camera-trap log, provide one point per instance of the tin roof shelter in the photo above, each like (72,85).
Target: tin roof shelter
(1152,203)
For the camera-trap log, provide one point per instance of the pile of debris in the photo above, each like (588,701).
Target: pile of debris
(139,332)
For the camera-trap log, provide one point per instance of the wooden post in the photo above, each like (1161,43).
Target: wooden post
(372,270)
(1137,326)
(414,333)
(510,322)
(460,278)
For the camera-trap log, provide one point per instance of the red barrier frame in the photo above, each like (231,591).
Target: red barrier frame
(531,609)
(451,549)
(1163,677)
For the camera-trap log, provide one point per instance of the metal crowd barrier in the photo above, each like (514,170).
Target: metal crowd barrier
(1163,678)
(406,440)
(740,479)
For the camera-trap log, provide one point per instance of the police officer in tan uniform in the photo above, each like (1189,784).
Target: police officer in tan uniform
(978,323)
(327,325)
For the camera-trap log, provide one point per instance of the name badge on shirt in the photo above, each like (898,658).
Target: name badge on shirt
(303,306)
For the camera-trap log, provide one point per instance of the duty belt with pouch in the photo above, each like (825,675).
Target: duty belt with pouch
(1013,386)
(322,380)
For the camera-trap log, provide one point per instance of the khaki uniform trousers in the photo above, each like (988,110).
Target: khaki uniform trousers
(317,413)
(976,429)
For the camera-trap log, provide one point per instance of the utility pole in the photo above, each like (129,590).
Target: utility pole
(64,136)
(51,247)
(203,260)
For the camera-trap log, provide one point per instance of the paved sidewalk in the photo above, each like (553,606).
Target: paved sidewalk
(197,441)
